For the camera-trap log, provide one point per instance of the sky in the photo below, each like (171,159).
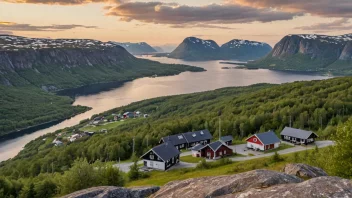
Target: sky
(168,22)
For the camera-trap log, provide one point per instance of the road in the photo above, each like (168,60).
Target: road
(241,149)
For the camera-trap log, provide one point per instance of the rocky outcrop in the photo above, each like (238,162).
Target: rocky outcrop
(304,171)
(114,192)
(137,48)
(316,187)
(223,185)
(244,50)
(346,54)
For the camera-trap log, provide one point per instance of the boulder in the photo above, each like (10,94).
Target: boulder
(316,187)
(304,171)
(223,185)
(114,192)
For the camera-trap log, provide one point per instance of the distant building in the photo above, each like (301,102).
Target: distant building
(57,143)
(74,137)
(189,139)
(128,115)
(214,150)
(298,136)
(263,141)
(227,139)
(161,157)
(138,113)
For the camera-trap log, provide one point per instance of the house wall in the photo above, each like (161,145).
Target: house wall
(297,140)
(154,164)
(209,153)
(172,162)
(203,142)
(255,146)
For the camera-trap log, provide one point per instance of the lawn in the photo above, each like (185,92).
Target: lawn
(190,159)
(282,146)
(160,178)
(100,127)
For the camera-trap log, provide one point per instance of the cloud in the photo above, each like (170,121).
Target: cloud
(325,8)
(201,25)
(337,25)
(10,27)
(178,15)
(55,2)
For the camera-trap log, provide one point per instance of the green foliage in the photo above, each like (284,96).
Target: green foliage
(276,158)
(203,164)
(28,106)
(341,160)
(134,173)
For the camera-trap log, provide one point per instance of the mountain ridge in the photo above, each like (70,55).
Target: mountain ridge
(193,48)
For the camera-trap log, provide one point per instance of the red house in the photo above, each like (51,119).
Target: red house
(263,141)
(213,150)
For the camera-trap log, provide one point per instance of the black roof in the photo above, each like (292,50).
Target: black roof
(216,145)
(297,133)
(268,137)
(175,139)
(197,136)
(226,138)
(165,151)
(198,147)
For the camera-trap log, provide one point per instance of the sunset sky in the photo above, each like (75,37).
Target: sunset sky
(170,21)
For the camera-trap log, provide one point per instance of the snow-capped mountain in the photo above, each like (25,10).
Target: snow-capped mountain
(14,43)
(245,49)
(193,48)
(311,52)
(137,48)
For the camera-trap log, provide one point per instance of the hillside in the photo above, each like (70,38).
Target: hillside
(318,53)
(137,48)
(29,106)
(58,64)
(66,63)
(196,49)
(316,105)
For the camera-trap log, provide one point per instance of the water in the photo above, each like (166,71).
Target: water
(145,88)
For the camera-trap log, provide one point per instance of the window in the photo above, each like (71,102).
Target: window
(194,135)
(202,133)
(180,137)
(220,153)
(151,156)
(224,152)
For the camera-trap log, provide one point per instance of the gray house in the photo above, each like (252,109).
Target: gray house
(298,136)
(161,157)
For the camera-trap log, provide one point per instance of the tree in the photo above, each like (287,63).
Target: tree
(111,176)
(276,158)
(46,188)
(134,174)
(342,152)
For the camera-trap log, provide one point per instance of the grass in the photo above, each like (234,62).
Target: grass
(281,147)
(100,127)
(190,159)
(161,178)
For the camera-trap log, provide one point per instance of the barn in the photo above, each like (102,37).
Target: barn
(263,141)
(161,157)
(298,136)
(213,150)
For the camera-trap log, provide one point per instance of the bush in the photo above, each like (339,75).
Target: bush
(276,158)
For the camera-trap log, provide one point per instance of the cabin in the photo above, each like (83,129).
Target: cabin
(298,136)
(128,115)
(227,139)
(189,139)
(161,157)
(214,150)
(263,141)
(197,137)
(179,141)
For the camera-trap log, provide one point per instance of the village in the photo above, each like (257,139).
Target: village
(98,124)
(177,151)
(185,150)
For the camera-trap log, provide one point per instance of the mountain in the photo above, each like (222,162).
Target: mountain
(244,50)
(137,48)
(158,49)
(310,53)
(54,64)
(193,48)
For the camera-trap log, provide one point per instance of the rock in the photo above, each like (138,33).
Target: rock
(304,171)
(223,185)
(114,192)
(316,187)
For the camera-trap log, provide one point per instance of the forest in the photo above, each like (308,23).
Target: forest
(29,106)
(321,106)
